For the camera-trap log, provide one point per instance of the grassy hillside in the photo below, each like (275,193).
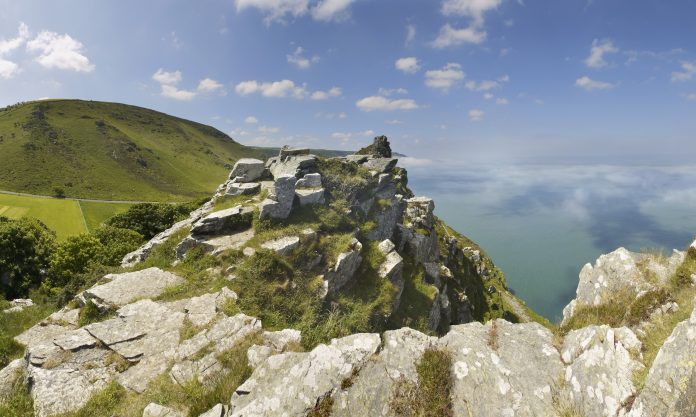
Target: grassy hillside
(111,151)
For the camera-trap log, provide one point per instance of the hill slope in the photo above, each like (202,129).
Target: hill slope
(111,151)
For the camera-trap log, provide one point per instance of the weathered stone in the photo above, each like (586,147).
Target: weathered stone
(358,159)
(312,180)
(392,269)
(386,246)
(310,196)
(40,333)
(65,317)
(257,354)
(671,382)
(247,168)
(188,243)
(282,246)
(239,188)
(286,151)
(280,340)
(218,411)
(224,221)
(74,340)
(156,410)
(11,376)
(386,219)
(18,305)
(290,384)
(296,166)
(380,165)
(280,202)
(125,288)
(344,269)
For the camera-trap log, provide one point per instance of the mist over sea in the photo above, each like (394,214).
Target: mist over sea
(541,224)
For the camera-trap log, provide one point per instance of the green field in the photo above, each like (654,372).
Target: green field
(111,151)
(65,217)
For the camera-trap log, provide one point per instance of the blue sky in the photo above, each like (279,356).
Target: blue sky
(478,81)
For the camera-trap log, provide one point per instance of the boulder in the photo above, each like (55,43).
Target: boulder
(224,221)
(18,305)
(380,165)
(296,166)
(156,410)
(239,188)
(392,269)
(248,169)
(312,180)
(290,384)
(10,376)
(386,246)
(282,246)
(671,382)
(218,411)
(358,159)
(344,269)
(128,287)
(280,201)
(310,196)
(286,151)
(386,219)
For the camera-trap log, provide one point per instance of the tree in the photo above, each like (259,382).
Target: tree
(150,219)
(117,243)
(72,257)
(26,246)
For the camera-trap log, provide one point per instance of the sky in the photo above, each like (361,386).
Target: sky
(449,81)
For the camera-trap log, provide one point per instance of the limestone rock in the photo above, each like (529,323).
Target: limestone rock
(239,188)
(40,333)
(386,246)
(248,168)
(344,269)
(290,384)
(295,165)
(386,219)
(218,411)
(156,410)
(125,288)
(18,305)
(282,246)
(312,180)
(286,151)
(380,165)
(310,196)
(10,376)
(392,269)
(671,382)
(280,202)
(224,221)
(358,159)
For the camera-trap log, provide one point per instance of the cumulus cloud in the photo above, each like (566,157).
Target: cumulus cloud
(392,91)
(590,85)
(476,115)
(251,120)
(60,51)
(445,78)
(409,65)
(283,89)
(328,10)
(474,9)
(687,73)
(450,36)
(9,45)
(597,52)
(169,81)
(281,10)
(379,103)
(298,59)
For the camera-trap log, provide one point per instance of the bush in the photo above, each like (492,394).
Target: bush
(150,219)
(72,257)
(25,250)
(117,243)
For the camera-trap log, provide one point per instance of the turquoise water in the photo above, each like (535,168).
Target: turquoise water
(541,224)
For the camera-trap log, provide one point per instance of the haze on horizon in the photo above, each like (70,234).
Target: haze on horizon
(479,81)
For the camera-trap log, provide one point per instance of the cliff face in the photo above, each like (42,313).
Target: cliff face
(318,287)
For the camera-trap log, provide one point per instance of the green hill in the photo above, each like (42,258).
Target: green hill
(111,151)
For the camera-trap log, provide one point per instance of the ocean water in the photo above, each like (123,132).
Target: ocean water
(541,224)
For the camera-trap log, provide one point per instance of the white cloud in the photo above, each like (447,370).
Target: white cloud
(409,65)
(485,85)
(391,91)
(410,33)
(345,137)
(299,60)
(445,78)
(589,84)
(171,91)
(8,69)
(450,36)
(282,89)
(324,95)
(164,77)
(597,52)
(251,120)
(687,73)
(60,51)
(373,103)
(208,85)
(502,101)
(328,10)
(267,129)
(691,97)
(9,45)
(476,115)
(474,9)
(275,10)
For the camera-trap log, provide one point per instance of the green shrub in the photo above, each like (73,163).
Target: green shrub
(72,257)
(25,250)
(149,219)
(116,243)
(9,350)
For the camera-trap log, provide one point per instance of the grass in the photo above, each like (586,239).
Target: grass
(96,214)
(111,151)
(416,299)
(90,313)
(13,324)
(62,216)
(431,396)
(19,403)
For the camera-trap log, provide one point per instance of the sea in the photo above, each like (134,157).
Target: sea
(540,224)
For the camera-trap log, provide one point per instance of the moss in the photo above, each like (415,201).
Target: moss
(493,335)
(323,407)
(90,313)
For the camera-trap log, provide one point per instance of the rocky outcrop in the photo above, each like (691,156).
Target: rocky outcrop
(342,272)
(279,203)
(282,246)
(224,221)
(621,272)
(247,170)
(18,305)
(122,289)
